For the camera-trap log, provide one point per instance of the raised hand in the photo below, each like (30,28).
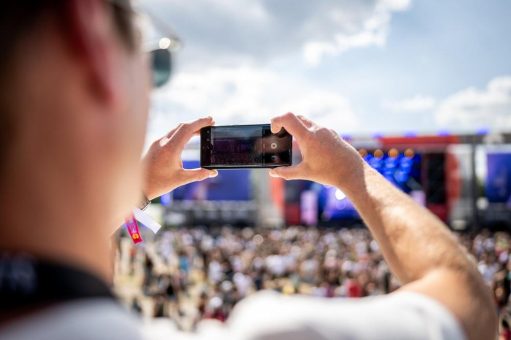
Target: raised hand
(163,165)
(327,158)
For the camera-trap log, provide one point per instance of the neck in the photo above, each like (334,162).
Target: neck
(51,215)
(26,231)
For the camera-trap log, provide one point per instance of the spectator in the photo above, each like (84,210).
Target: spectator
(73,120)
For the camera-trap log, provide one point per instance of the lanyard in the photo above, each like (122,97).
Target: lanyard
(26,282)
(133,230)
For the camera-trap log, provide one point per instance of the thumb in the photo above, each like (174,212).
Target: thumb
(288,172)
(199,174)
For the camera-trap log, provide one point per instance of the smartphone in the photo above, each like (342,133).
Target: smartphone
(244,146)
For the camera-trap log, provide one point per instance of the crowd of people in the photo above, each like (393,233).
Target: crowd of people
(190,274)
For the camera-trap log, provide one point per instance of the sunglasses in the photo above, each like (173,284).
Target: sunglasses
(158,46)
(161,66)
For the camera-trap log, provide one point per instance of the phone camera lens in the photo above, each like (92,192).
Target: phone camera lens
(273,146)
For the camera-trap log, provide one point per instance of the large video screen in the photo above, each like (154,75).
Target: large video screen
(498,178)
(403,169)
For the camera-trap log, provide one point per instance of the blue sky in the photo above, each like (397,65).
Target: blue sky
(359,66)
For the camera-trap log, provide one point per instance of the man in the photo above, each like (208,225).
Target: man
(73,107)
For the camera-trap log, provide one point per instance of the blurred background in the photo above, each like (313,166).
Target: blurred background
(422,89)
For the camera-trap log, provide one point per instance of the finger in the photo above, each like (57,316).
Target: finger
(199,174)
(289,172)
(197,133)
(200,123)
(291,123)
(187,130)
(173,131)
(307,122)
(167,137)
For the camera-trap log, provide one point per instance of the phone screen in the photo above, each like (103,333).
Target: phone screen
(244,146)
(236,145)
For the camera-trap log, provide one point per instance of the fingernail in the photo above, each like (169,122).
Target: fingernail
(213,173)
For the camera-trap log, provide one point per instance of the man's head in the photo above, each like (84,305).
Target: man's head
(73,104)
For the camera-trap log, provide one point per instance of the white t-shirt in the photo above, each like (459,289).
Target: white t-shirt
(262,316)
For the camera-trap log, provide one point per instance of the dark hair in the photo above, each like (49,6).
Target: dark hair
(123,19)
(17,19)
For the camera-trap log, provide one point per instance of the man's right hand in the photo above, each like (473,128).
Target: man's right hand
(327,158)
(163,164)
(418,247)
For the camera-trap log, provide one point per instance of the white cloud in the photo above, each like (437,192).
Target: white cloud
(238,57)
(418,103)
(474,109)
(246,95)
(470,109)
(229,32)
(371,31)
(226,66)
(315,51)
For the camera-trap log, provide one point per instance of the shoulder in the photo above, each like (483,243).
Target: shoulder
(87,319)
(396,316)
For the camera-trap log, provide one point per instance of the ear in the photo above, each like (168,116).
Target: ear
(92,41)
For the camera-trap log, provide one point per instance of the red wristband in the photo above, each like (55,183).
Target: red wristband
(132,226)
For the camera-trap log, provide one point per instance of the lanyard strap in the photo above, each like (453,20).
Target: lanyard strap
(133,230)
(26,282)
